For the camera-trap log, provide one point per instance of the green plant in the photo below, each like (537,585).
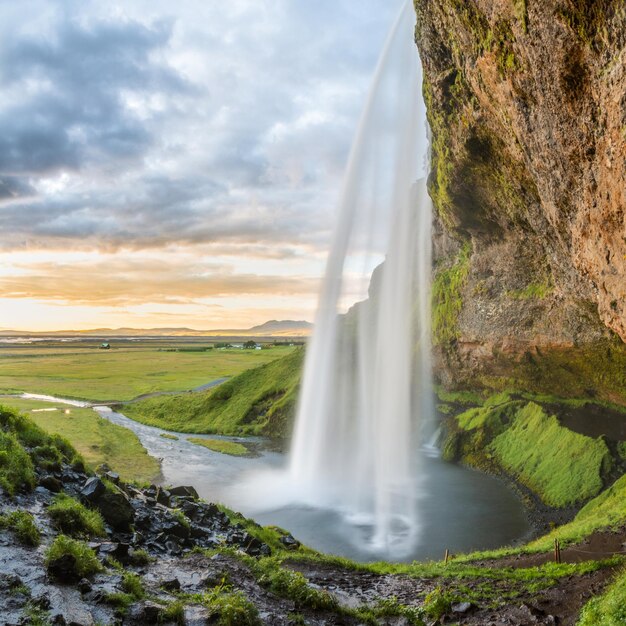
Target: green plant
(16,468)
(133,585)
(74,519)
(23,525)
(608,609)
(231,609)
(173,612)
(85,561)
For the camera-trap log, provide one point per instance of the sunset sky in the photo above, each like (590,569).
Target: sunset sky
(174,163)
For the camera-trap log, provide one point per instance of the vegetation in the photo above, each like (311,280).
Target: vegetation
(447,299)
(23,447)
(608,609)
(560,465)
(532,291)
(169,436)
(96,439)
(23,526)
(85,561)
(231,608)
(221,445)
(73,518)
(258,401)
(122,373)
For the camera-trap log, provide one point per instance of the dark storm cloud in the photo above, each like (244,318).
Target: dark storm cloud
(142,124)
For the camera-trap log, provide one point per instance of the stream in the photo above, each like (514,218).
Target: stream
(461,510)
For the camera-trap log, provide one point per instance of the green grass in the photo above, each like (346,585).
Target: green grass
(23,526)
(121,373)
(133,585)
(86,562)
(73,518)
(220,445)
(168,436)
(258,401)
(533,291)
(608,609)
(563,467)
(231,608)
(17,471)
(95,438)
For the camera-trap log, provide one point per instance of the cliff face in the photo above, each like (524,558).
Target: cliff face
(527,105)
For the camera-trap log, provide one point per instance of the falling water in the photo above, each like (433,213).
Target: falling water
(365,395)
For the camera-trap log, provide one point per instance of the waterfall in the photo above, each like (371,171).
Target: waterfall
(366,393)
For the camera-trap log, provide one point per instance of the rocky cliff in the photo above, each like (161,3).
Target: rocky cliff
(527,106)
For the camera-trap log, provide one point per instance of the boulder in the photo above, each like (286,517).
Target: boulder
(63,568)
(51,483)
(184,491)
(289,542)
(116,510)
(93,489)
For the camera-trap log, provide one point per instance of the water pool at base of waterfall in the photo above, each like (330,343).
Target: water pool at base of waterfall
(462,509)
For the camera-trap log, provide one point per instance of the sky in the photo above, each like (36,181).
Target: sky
(174,163)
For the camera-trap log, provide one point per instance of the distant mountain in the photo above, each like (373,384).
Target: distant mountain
(282,326)
(273,328)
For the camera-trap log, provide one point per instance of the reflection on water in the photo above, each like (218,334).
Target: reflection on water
(461,510)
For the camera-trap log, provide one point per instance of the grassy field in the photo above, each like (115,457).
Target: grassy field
(124,372)
(95,438)
(258,401)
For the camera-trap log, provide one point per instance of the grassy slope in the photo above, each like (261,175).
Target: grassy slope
(95,438)
(121,373)
(562,467)
(258,401)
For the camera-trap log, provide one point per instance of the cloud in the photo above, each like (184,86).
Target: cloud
(122,282)
(147,124)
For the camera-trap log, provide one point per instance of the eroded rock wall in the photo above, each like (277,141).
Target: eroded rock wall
(527,105)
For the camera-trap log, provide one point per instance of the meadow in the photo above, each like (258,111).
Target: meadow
(127,370)
(96,439)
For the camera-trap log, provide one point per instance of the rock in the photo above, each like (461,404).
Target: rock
(51,483)
(112,476)
(171,584)
(175,527)
(190,509)
(146,612)
(116,510)
(462,607)
(93,489)
(184,491)
(117,551)
(163,497)
(289,541)
(84,586)
(63,568)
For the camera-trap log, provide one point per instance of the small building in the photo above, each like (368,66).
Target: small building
(105,346)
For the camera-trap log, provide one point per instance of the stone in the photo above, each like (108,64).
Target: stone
(187,491)
(171,584)
(462,607)
(84,586)
(163,497)
(51,483)
(63,568)
(289,541)
(93,489)
(114,477)
(116,510)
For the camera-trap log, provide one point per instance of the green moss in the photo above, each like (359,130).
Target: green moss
(520,8)
(608,609)
(563,467)
(258,401)
(447,298)
(85,561)
(23,525)
(588,19)
(536,291)
(74,519)
(221,445)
